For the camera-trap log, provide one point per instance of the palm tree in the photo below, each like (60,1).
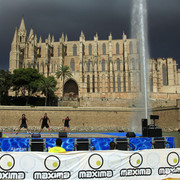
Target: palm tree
(63,73)
(47,86)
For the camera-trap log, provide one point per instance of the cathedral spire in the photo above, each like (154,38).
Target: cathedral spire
(53,39)
(40,39)
(110,37)
(82,37)
(15,38)
(49,38)
(124,36)
(22,25)
(66,38)
(35,39)
(31,35)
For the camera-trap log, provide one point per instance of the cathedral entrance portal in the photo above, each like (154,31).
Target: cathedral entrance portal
(71,89)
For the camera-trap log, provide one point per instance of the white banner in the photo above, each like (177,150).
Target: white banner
(145,164)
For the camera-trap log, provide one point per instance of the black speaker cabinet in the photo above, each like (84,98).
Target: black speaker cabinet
(154,117)
(159,143)
(145,132)
(37,145)
(62,134)
(144,123)
(130,134)
(82,144)
(122,144)
(0,134)
(154,132)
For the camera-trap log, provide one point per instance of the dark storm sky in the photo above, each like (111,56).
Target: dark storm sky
(91,16)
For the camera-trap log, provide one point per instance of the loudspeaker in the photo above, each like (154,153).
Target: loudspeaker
(145,132)
(154,132)
(159,143)
(144,123)
(82,144)
(62,134)
(130,134)
(154,117)
(37,145)
(122,144)
(0,134)
(36,135)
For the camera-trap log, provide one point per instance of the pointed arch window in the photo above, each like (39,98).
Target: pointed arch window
(88,65)
(74,50)
(88,83)
(117,48)
(29,65)
(119,83)
(133,64)
(104,49)
(118,65)
(90,49)
(93,83)
(72,65)
(151,83)
(164,74)
(58,51)
(114,87)
(124,83)
(103,65)
(131,48)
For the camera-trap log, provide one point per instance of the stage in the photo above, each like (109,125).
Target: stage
(97,141)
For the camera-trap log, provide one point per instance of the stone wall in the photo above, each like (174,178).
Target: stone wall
(86,118)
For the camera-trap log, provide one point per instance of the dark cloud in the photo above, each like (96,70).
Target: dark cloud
(91,16)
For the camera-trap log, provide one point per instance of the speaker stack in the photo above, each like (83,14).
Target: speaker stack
(151,130)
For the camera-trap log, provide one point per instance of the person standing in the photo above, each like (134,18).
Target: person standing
(24,121)
(66,124)
(45,120)
(57,148)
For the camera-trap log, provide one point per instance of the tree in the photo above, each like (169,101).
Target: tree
(5,84)
(26,80)
(63,73)
(47,86)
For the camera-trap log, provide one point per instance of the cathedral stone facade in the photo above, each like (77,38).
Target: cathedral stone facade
(100,68)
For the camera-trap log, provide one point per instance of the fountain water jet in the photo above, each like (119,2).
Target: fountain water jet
(139,30)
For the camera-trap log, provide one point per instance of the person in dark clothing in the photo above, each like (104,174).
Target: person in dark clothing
(45,120)
(66,123)
(112,145)
(24,121)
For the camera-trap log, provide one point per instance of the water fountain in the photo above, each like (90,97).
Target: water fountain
(139,31)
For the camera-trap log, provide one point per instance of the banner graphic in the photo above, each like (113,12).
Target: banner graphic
(114,164)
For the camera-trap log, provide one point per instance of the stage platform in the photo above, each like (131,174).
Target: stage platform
(98,141)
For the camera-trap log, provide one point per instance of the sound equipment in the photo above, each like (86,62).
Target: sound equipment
(82,144)
(154,117)
(0,134)
(36,135)
(62,134)
(145,132)
(144,127)
(158,143)
(144,123)
(130,134)
(37,145)
(122,144)
(154,132)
